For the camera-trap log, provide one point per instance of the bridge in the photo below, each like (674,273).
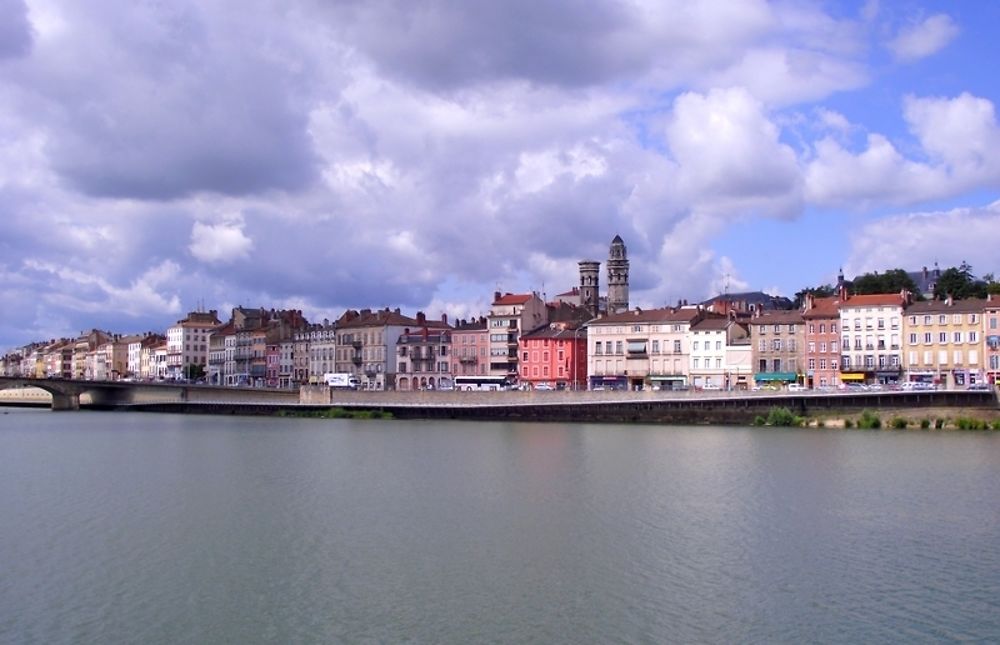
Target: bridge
(68,393)
(650,406)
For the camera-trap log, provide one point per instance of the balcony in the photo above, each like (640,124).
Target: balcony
(468,360)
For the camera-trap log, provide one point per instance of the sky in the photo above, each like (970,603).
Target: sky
(162,157)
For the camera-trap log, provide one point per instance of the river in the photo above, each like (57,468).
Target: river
(144,528)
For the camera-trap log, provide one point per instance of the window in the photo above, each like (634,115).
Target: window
(597,349)
(718,345)
(822,363)
(812,328)
(677,347)
(694,346)
(822,347)
(618,347)
(656,347)
(812,347)
(777,364)
(695,363)
(973,319)
(927,338)
(942,337)
(777,329)
(776,345)
(791,345)
(812,363)
(913,320)
(927,320)
(973,337)
(957,337)
(913,339)
(762,345)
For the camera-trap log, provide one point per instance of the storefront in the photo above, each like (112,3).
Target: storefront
(609,382)
(676,382)
(853,378)
(775,379)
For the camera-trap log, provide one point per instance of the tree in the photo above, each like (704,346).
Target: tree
(959,283)
(992,286)
(892,281)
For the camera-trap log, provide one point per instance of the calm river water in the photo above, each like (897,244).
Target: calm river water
(140,528)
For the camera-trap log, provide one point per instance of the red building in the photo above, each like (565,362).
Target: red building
(822,350)
(554,356)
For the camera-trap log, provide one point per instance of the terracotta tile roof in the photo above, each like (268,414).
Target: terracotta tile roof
(778,318)
(872,300)
(824,308)
(714,323)
(969,305)
(512,299)
(666,314)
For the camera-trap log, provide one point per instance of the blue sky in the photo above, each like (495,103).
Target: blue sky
(422,153)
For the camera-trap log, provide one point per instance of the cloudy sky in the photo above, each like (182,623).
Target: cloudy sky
(158,157)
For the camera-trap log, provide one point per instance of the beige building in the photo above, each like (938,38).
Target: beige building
(511,315)
(944,342)
(778,346)
(991,338)
(639,349)
(715,363)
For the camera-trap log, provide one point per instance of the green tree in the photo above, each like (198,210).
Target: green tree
(959,283)
(892,281)
(992,286)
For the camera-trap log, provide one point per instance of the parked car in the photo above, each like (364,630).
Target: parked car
(796,387)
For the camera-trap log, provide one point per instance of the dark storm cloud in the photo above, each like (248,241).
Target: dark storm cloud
(451,43)
(162,101)
(15,31)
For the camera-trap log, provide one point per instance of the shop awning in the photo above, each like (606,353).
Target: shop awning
(775,376)
(852,376)
(667,378)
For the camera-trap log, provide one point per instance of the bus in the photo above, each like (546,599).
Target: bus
(483,383)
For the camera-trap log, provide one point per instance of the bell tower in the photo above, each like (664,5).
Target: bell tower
(590,277)
(617,276)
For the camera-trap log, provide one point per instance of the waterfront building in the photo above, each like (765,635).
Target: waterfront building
(470,347)
(286,363)
(712,341)
(187,343)
(617,276)
(511,314)
(221,347)
(554,356)
(777,345)
(322,350)
(944,343)
(300,357)
(991,338)
(111,359)
(871,327)
(423,358)
(366,344)
(822,341)
(641,348)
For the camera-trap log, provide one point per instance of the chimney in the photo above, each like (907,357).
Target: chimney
(421,318)
(444,318)
(949,300)
(925,273)
(496,296)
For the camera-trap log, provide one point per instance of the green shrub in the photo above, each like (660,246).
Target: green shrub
(779,416)
(869,420)
(898,423)
(925,423)
(848,423)
(996,425)
(965,423)
(759,420)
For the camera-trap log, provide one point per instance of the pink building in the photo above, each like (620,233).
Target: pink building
(470,348)
(555,356)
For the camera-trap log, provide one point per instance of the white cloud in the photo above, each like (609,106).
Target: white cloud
(959,142)
(916,41)
(219,243)
(730,158)
(917,239)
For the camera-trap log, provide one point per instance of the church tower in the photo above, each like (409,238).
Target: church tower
(590,276)
(617,277)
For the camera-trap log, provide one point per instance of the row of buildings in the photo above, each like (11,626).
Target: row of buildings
(577,340)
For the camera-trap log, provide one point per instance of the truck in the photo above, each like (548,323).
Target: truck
(341,380)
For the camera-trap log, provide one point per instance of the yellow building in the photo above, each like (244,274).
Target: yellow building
(944,343)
